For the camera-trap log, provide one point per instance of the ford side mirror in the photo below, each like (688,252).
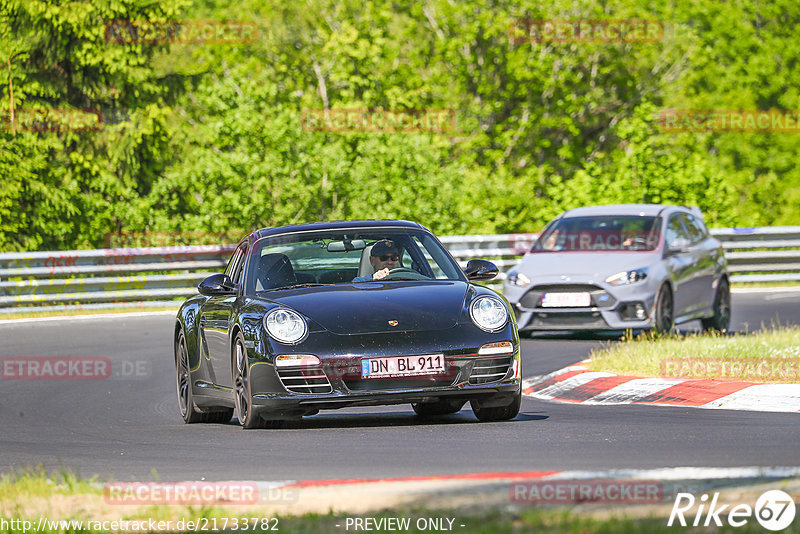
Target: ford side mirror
(217,285)
(480,270)
(677,246)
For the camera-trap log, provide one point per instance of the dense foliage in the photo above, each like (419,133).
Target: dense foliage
(209,137)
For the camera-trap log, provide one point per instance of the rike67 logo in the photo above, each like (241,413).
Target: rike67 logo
(774,510)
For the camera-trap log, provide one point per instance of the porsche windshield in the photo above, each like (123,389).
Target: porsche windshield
(345,256)
(602,233)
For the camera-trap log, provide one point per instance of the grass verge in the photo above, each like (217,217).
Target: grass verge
(768,356)
(524,520)
(37,482)
(64,503)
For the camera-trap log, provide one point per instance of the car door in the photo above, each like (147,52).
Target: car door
(705,258)
(680,262)
(216,320)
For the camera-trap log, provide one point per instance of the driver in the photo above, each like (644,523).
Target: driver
(384,257)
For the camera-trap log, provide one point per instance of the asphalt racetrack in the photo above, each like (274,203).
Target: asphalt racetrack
(127,427)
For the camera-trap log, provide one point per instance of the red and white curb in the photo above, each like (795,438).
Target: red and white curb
(578,384)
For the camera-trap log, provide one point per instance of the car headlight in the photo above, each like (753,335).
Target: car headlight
(627,277)
(285,325)
(488,313)
(515,278)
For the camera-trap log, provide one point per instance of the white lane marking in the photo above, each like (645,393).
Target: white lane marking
(761,398)
(633,391)
(780,296)
(173,313)
(658,473)
(558,389)
(682,473)
(788,289)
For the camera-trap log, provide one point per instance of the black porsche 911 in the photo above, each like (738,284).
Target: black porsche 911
(350,313)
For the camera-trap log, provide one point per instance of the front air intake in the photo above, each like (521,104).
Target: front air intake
(486,370)
(308,380)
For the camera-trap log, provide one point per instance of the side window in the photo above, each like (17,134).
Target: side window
(232,262)
(406,260)
(239,269)
(234,270)
(675,230)
(697,230)
(432,264)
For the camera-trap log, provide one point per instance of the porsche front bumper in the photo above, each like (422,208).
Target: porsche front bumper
(337,382)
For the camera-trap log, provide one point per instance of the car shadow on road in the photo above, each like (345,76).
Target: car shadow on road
(618,335)
(575,336)
(393,419)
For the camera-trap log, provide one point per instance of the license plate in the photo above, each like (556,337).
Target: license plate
(566,300)
(430,364)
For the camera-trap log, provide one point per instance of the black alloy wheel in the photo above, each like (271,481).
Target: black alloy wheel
(241,385)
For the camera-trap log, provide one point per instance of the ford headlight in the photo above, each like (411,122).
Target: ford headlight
(285,325)
(488,313)
(627,277)
(515,278)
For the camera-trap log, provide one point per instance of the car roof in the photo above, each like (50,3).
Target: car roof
(644,210)
(337,225)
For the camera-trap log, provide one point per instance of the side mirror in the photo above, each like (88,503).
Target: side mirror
(480,270)
(679,245)
(217,285)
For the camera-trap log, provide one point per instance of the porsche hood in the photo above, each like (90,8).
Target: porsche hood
(374,307)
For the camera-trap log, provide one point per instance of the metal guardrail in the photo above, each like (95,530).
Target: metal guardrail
(145,277)
(156,276)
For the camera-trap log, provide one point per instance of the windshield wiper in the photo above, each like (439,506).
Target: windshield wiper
(293,286)
(395,279)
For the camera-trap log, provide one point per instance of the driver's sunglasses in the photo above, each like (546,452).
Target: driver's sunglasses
(387,257)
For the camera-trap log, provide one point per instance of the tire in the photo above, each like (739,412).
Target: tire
(665,310)
(498,413)
(186,405)
(442,407)
(721,320)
